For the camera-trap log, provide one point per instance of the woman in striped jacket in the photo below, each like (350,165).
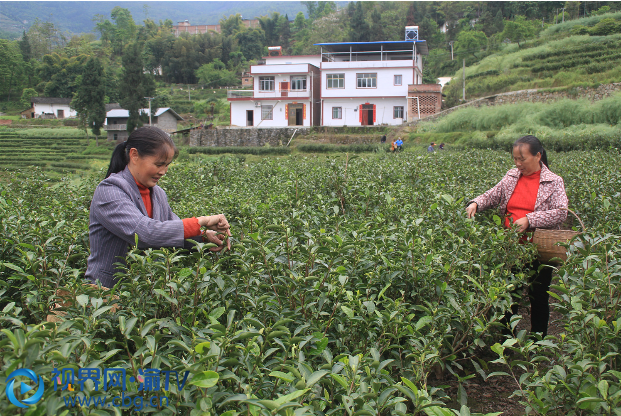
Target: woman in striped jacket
(529,196)
(128,203)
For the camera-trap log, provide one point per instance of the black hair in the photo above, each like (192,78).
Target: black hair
(534,147)
(146,140)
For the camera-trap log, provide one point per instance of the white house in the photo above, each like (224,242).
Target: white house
(285,93)
(116,121)
(348,84)
(49,107)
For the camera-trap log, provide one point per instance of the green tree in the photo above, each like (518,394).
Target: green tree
(572,10)
(134,85)
(377,31)
(469,42)
(285,35)
(300,22)
(124,30)
(359,29)
(499,22)
(430,32)
(89,100)
(517,30)
(27,94)
(215,74)
(60,74)
(24,47)
(231,25)
(43,38)
(251,42)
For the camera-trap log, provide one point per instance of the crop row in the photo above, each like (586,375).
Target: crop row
(587,48)
(571,63)
(528,63)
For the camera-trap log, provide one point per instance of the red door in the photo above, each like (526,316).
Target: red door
(284,89)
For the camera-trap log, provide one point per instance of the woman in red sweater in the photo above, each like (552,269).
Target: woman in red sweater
(529,196)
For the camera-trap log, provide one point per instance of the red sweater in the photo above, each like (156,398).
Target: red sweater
(191,228)
(523,199)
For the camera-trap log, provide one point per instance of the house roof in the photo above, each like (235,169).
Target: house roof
(122,113)
(50,100)
(421,45)
(113,106)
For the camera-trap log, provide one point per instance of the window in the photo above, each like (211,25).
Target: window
(398,112)
(335,81)
(267,112)
(367,80)
(337,112)
(116,136)
(398,79)
(266,83)
(298,83)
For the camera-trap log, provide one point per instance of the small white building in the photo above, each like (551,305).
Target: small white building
(49,107)
(347,84)
(116,121)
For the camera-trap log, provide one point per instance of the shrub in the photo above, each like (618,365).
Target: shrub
(605,27)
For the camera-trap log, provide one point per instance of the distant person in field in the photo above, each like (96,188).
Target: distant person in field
(383,139)
(128,202)
(529,196)
(441,146)
(399,144)
(393,145)
(430,149)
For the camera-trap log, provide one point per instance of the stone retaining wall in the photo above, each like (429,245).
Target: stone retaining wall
(224,137)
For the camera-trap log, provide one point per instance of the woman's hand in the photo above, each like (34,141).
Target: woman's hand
(471,210)
(522,223)
(217,238)
(215,222)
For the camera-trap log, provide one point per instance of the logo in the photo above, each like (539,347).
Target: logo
(24,388)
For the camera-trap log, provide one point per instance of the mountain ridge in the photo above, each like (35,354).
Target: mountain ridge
(76,17)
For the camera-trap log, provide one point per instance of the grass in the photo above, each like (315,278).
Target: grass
(563,125)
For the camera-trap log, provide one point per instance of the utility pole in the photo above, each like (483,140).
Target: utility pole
(150,99)
(464,80)
(563,15)
(189,93)
(451,43)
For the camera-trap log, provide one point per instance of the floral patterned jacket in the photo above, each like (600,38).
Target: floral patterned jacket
(550,198)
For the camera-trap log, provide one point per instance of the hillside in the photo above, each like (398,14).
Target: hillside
(563,56)
(76,17)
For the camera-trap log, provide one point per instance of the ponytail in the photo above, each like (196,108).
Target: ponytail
(534,147)
(146,140)
(118,161)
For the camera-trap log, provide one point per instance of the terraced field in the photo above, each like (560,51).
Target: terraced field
(59,154)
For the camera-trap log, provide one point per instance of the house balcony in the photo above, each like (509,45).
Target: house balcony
(277,94)
(115,127)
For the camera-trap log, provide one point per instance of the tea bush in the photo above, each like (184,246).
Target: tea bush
(351,279)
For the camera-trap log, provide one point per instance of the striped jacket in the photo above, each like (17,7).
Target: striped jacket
(551,198)
(117,215)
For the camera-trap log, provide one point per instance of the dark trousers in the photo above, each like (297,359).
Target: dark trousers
(538,287)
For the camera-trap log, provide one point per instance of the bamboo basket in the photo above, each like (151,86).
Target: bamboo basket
(547,242)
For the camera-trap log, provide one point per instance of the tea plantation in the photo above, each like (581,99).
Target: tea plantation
(65,152)
(353,283)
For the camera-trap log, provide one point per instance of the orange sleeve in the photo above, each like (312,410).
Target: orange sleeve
(191,227)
